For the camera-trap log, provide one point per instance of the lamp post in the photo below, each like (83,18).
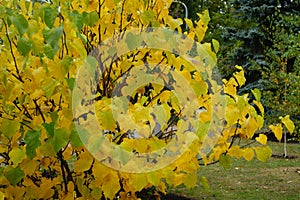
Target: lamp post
(185,10)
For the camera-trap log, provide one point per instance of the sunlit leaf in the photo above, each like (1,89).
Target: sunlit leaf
(248,154)
(240,77)
(262,139)
(289,124)
(277,130)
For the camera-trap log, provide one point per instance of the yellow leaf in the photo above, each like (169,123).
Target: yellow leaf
(2,196)
(230,87)
(154,178)
(235,151)
(262,139)
(260,106)
(111,185)
(84,162)
(138,181)
(277,130)
(162,187)
(248,154)
(240,76)
(263,153)
(289,124)
(29,166)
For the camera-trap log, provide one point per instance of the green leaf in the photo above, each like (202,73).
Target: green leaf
(52,36)
(60,139)
(225,161)
(77,19)
(24,46)
(133,41)
(10,127)
(75,139)
(13,175)
(49,51)
(70,83)
(32,140)
(49,128)
(90,18)
(50,15)
(20,22)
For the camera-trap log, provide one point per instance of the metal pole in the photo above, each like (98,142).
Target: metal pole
(185,9)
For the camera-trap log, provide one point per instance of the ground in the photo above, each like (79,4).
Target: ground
(278,178)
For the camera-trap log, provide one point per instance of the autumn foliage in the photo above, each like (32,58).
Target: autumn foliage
(102,99)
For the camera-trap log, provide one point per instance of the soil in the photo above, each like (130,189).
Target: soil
(174,197)
(284,157)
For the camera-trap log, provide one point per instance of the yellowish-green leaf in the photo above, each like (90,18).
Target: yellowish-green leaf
(17,155)
(289,124)
(225,161)
(216,45)
(263,153)
(190,180)
(256,93)
(9,127)
(204,182)
(262,139)
(277,130)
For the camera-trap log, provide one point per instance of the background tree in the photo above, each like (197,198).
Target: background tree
(263,37)
(51,141)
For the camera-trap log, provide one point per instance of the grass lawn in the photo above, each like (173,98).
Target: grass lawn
(278,178)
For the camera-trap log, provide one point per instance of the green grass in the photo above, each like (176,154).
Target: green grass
(278,178)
